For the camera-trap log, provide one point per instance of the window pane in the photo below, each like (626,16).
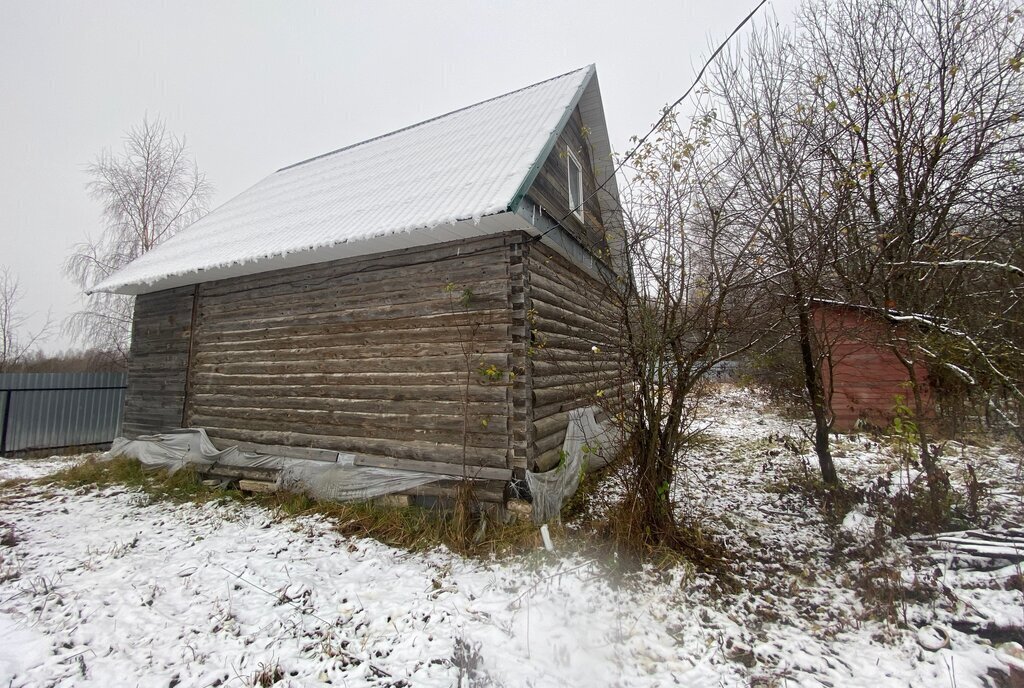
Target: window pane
(575,184)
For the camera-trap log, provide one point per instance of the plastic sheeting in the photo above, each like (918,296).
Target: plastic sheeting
(339,481)
(586,447)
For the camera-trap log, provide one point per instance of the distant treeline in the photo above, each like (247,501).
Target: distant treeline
(75,361)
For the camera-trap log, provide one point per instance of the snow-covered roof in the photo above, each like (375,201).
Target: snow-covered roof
(450,177)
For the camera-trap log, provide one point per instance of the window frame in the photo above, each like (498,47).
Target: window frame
(571,160)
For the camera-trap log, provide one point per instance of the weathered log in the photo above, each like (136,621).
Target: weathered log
(545,312)
(410,289)
(552,368)
(592,313)
(385,422)
(439,468)
(303,351)
(424,321)
(262,399)
(578,381)
(477,393)
(552,424)
(583,301)
(489,296)
(481,491)
(394,365)
(377,314)
(307,453)
(422,256)
(407,379)
(410,449)
(545,461)
(325,337)
(352,431)
(553,441)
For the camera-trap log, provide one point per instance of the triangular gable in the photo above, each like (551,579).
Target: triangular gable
(588,235)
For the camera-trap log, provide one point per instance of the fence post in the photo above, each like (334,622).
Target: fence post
(7,415)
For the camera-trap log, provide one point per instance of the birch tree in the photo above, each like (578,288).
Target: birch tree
(149,191)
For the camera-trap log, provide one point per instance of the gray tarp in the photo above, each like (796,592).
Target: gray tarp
(339,480)
(587,447)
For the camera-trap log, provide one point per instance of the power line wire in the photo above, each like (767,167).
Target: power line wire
(664,115)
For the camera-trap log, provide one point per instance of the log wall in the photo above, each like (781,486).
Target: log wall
(374,355)
(569,314)
(379,355)
(162,326)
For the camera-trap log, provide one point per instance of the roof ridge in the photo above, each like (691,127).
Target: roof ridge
(431,119)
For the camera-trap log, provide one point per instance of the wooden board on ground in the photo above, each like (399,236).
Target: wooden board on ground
(239,472)
(256,486)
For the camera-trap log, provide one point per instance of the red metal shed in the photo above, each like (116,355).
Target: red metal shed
(865,376)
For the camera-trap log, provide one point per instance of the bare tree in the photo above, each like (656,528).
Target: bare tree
(148,192)
(689,308)
(15,342)
(783,196)
(880,142)
(928,97)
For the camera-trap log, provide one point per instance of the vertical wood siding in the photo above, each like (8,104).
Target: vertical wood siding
(159,358)
(866,375)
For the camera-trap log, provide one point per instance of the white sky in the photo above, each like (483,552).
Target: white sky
(254,86)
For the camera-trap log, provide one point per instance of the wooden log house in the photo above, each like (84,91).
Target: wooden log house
(435,296)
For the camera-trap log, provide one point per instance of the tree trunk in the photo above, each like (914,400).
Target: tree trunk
(938,481)
(651,522)
(819,409)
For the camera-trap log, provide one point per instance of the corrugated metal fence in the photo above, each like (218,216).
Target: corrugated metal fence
(51,410)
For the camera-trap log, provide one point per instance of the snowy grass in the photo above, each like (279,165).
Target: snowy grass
(410,527)
(115,582)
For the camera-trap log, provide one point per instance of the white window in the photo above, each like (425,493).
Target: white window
(575,172)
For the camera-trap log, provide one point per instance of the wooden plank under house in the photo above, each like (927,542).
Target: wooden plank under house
(435,299)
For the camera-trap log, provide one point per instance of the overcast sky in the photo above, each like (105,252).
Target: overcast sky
(254,86)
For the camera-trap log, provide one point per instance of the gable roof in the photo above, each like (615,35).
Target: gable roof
(451,177)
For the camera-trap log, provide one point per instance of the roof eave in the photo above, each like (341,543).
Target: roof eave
(459,231)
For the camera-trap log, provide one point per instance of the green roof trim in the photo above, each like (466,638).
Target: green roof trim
(531,176)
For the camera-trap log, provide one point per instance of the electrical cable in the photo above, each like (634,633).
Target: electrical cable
(664,115)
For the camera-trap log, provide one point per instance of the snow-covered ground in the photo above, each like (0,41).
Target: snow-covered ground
(110,588)
(29,469)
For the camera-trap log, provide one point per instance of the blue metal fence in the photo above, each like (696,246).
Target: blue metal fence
(53,410)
